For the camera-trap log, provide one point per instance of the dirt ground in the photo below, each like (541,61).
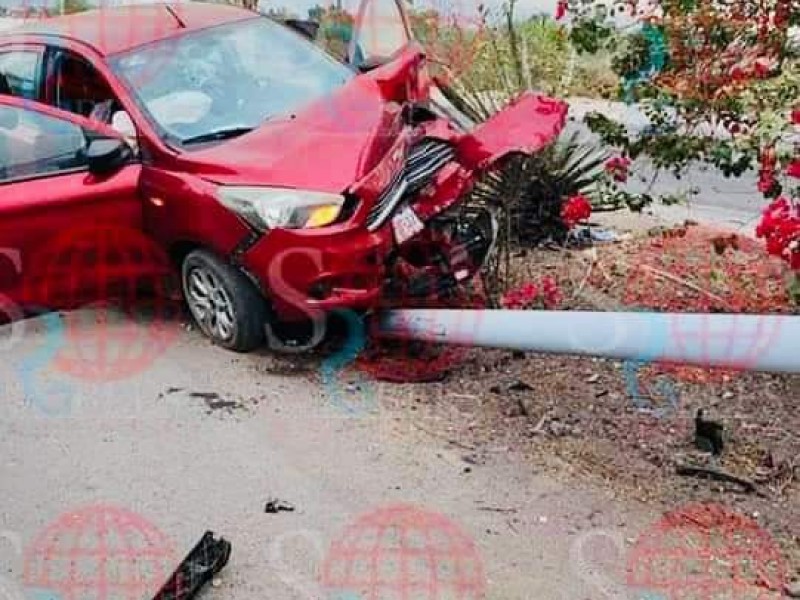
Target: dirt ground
(536,458)
(626,430)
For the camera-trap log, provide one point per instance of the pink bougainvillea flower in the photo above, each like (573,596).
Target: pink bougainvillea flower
(766,181)
(764,66)
(561,10)
(551,292)
(780,227)
(795,117)
(793,170)
(531,295)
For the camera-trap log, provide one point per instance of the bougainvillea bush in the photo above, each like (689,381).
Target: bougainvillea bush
(720,83)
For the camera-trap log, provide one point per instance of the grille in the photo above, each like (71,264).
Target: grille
(425,160)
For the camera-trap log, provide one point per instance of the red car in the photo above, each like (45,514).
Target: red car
(282,182)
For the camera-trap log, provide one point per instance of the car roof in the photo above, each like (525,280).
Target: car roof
(111,30)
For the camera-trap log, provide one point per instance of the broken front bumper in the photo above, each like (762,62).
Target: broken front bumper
(347,266)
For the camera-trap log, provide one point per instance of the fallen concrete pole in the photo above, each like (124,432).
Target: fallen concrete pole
(753,342)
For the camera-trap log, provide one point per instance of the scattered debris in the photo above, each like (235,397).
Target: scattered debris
(708,434)
(216,402)
(497,509)
(520,386)
(274,506)
(708,472)
(523,408)
(723,242)
(199,567)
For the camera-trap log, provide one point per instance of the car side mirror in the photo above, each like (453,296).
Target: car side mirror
(104,156)
(308,29)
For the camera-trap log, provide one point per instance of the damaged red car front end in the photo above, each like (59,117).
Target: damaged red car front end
(414,167)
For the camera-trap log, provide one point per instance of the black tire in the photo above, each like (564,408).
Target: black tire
(239,312)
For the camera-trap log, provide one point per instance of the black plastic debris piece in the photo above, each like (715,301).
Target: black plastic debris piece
(205,560)
(708,435)
(274,506)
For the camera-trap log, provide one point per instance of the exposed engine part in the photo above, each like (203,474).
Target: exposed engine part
(453,248)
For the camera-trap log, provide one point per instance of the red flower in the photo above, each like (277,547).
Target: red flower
(780,226)
(766,181)
(529,295)
(618,167)
(576,208)
(521,297)
(551,292)
(796,116)
(793,170)
(561,10)
(764,66)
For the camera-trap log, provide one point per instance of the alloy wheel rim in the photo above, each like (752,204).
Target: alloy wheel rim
(210,304)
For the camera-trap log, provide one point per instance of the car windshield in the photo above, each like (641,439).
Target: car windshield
(224,81)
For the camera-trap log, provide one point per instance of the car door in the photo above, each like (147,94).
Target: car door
(49,199)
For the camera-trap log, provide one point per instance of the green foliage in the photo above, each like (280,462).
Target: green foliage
(530,190)
(75,6)
(588,36)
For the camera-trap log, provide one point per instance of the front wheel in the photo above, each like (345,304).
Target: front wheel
(224,303)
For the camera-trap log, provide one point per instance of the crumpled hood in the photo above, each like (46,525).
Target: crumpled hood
(327,146)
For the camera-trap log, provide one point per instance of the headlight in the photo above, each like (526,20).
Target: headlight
(267,208)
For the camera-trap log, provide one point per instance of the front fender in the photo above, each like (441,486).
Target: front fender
(525,126)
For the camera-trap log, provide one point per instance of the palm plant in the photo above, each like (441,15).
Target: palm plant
(526,192)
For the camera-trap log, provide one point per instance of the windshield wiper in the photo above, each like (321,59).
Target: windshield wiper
(218,135)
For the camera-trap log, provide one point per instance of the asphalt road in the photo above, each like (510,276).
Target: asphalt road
(732,203)
(201,438)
